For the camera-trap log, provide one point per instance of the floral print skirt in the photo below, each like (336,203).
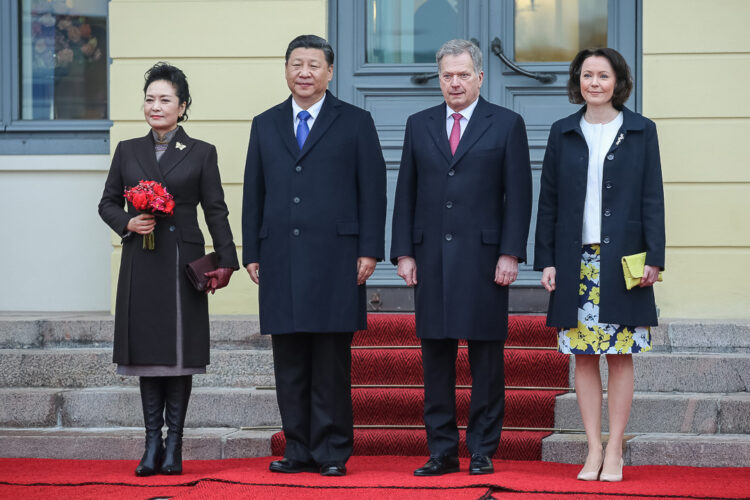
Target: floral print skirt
(591,336)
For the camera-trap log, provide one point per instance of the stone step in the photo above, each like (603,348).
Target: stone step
(93,367)
(685,372)
(662,412)
(38,330)
(702,336)
(126,443)
(121,407)
(696,450)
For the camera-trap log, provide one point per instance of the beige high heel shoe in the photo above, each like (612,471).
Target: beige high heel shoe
(611,478)
(591,475)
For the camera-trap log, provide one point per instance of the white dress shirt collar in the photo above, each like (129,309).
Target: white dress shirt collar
(314,111)
(465,114)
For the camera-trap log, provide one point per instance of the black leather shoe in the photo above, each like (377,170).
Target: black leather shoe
(333,470)
(437,466)
(481,464)
(289,466)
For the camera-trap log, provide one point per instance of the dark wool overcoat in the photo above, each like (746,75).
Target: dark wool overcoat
(308,215)
(145,312)
(457,214)
(632,218)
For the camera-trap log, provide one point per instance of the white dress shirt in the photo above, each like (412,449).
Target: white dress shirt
(463,122)
(314,111)
(599,138)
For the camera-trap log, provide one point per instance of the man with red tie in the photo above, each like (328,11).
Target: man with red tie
(460,225)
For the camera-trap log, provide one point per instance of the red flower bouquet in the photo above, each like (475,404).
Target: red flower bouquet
(150,197)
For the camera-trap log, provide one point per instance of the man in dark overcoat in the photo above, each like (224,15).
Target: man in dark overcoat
(313,227)
(460,224)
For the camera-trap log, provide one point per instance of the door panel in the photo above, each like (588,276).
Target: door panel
(383,44)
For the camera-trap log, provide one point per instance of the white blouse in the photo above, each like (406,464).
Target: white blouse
(599,138)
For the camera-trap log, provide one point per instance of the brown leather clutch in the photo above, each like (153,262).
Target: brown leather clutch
(196,270)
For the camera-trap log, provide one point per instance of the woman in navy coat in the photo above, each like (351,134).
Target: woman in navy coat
(601,199)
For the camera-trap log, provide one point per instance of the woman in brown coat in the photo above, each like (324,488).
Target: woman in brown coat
(161,320)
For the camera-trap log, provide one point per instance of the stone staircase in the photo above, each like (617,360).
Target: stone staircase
(60,396)
(691,404)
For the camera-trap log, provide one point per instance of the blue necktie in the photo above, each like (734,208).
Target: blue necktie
(302,129)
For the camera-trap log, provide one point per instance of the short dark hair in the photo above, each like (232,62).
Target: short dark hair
(175,76)
(310,42)
(623,80)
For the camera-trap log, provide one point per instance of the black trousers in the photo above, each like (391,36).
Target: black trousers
(487,396)
(314,392)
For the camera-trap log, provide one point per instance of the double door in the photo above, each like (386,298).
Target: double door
(385,63)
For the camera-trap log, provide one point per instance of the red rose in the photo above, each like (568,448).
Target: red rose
(140,200)
(159,190)
(169,207)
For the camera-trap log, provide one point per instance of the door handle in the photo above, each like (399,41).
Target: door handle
(497,48)
(420,78)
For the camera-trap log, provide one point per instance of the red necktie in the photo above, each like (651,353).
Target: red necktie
(455,132)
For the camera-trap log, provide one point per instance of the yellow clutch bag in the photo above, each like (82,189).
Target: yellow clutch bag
(632,268)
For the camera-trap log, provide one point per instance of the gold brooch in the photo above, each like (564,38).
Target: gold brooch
(181,146)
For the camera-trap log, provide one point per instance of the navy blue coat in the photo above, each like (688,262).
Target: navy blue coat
(307,216)
(146,309)
(632,218)
(457,214)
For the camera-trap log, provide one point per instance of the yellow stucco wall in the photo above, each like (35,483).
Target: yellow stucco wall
(696,65)
(233,55)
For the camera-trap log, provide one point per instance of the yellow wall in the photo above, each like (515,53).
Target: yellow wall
(233,55)
(696,65)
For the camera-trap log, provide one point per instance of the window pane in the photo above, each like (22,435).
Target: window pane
(555,30)
(63,59)
(410,31)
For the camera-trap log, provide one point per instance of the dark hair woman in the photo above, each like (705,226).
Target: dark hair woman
(161,320)
(601,199)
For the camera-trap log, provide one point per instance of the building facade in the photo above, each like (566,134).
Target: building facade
(59,256)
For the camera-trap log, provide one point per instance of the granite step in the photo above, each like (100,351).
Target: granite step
(669,412)
(126,443)
(93,367)
(685,372)
(695,450)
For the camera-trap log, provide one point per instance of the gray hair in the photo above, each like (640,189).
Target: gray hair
(457,47)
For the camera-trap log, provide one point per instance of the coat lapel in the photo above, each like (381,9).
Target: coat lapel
(177,151)
(285,126)
(436,127)
(479,123)
(144,153)
(328,114)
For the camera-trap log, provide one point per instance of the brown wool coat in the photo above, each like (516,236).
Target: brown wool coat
(145,312)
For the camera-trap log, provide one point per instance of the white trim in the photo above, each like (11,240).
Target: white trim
(57,163)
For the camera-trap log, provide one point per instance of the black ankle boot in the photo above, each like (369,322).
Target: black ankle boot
(152,398)
(177,397)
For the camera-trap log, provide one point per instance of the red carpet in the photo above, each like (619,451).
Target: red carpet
(369,477)
(385,358)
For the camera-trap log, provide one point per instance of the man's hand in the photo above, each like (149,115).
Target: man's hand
(506,270)
(365,268)
(548,278)
(253,269)
(407,269)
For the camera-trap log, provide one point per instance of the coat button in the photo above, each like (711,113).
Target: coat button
(172,228)
(607,212)
(610,157)
(451,172)
(448,237)
(296,200)
(298,168)
(606,240)
(608,184)
(448,204)
(295,231)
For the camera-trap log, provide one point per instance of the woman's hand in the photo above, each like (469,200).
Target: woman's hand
(548,278)
(218,279)
(253,269)
(650,275)
(142,224)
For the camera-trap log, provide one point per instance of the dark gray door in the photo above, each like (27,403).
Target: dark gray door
(385,64)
